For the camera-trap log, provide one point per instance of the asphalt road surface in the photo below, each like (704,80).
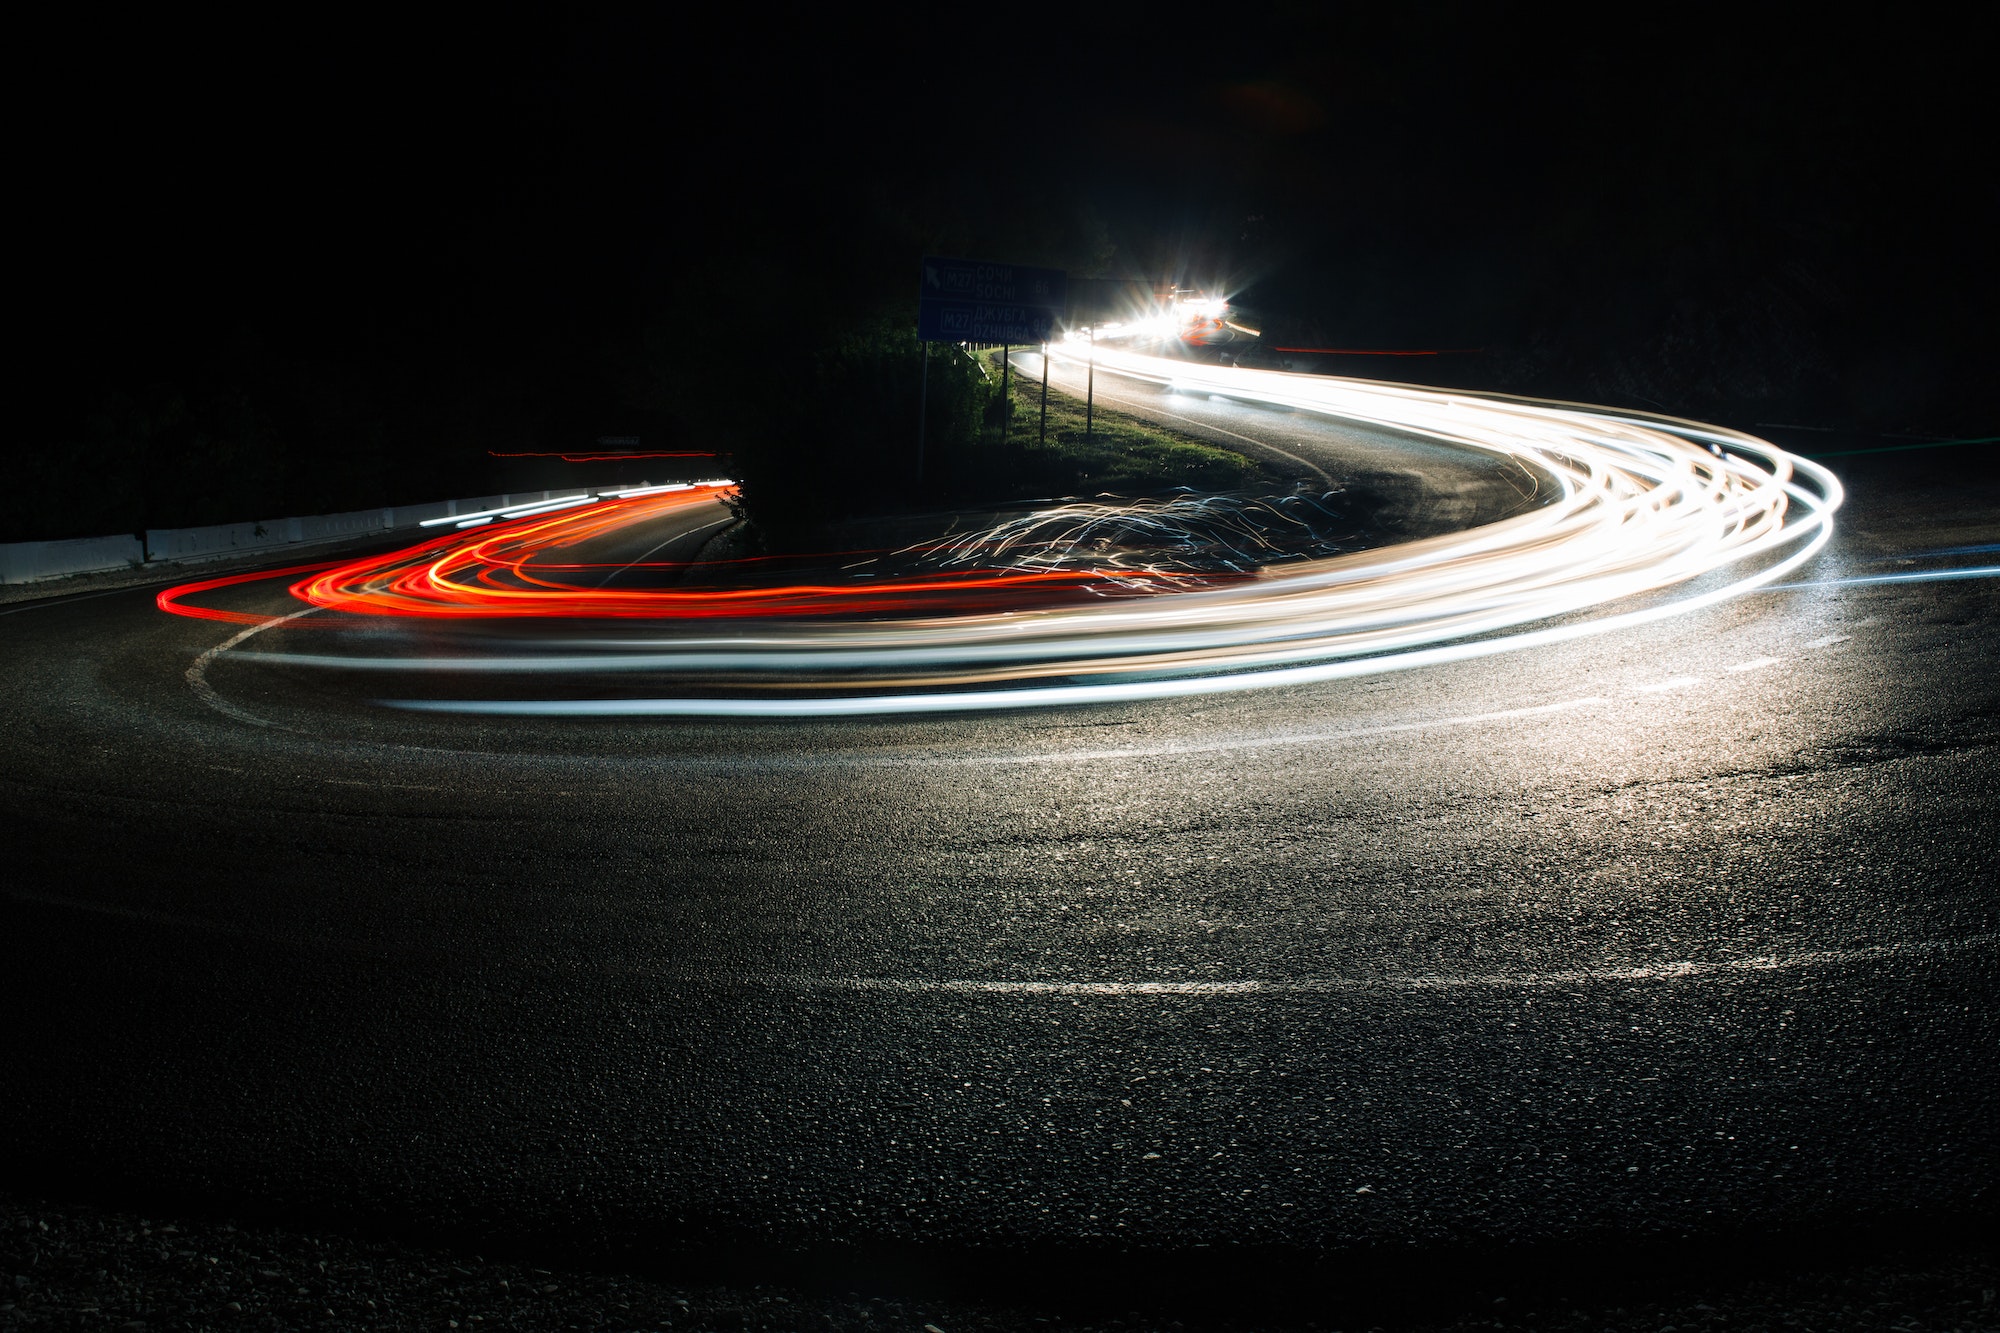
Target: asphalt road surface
(1682,939)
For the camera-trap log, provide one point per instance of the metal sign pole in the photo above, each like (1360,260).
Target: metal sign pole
(1042,436)
(1090,389)
(923,402)
(976,304)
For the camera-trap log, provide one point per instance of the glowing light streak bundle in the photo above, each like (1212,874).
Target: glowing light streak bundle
(1640,504)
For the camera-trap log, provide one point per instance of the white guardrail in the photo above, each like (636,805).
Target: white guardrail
(30,562)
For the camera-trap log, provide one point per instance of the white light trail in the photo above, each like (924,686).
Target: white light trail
(1922,576)
(548,506)
(1642,504)
(509,511)
(650,490)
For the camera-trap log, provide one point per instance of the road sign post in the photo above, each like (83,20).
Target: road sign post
(1006,397)
(1042,435)
(1090,385)
(923,402)
(972,301)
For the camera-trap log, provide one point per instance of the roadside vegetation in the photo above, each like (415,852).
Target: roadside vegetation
(1119,453)
(841,446)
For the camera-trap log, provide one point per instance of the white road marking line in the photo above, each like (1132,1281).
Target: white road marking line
(1755,664)
(679,536)
(1677,683)
(1153,410)
(1263,742)
(1828,641)
(197,674)
(872,759)
(1411,982)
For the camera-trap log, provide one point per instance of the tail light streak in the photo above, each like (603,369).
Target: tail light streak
(1640,505)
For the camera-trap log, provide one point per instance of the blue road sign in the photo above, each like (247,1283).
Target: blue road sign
(968,300)
(983,322)
(1010,284)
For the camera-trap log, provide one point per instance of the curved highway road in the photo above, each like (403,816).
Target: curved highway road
(1686,933)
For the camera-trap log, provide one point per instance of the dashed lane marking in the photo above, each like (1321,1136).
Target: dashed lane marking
(1563,977)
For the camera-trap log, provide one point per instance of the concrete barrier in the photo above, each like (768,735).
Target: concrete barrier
(221,539)
(25,562)
(28,562)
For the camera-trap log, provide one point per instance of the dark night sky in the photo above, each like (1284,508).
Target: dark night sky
(1761,222)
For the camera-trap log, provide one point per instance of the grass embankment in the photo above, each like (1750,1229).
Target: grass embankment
(1121,453)
(852,481)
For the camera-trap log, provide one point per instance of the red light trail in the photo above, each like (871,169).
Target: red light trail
(169,599)
(506,571)
(1039,612)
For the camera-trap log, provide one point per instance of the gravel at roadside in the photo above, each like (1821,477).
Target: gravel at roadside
(71,1267)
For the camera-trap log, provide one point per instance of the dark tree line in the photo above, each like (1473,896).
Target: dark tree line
(281,271)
